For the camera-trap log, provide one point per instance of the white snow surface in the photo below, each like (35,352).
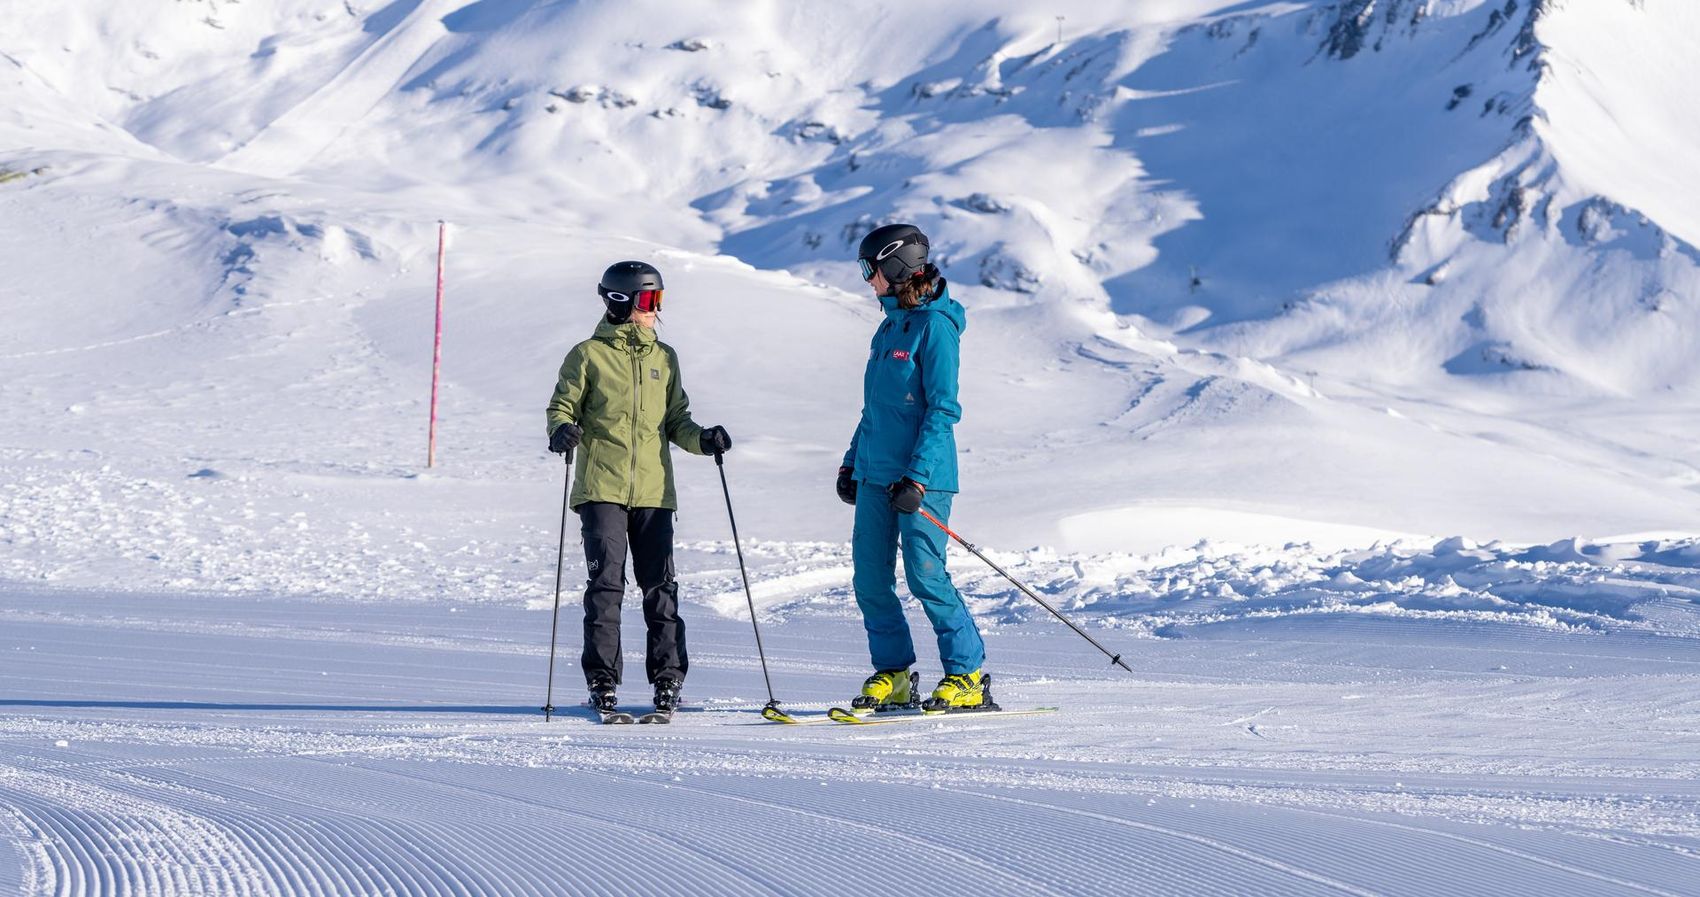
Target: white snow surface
(1331,361)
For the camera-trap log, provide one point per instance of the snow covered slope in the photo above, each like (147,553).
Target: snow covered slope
(1391,301)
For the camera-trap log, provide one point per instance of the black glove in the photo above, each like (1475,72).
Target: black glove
(565,438)
(906,495)
(847,485)
(715,441)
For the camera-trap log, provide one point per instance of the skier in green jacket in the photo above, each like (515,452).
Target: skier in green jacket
(619,401)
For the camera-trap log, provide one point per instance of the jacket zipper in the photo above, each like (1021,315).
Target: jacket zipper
(637,410)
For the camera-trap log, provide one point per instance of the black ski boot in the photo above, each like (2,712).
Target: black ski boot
(666,701)
(604,701)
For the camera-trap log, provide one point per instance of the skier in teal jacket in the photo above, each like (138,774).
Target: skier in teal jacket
(902,459)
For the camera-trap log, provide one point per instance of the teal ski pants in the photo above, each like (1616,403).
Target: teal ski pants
(880,531)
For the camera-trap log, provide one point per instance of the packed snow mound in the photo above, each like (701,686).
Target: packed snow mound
(1647,583)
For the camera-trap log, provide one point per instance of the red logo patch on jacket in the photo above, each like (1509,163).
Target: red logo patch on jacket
(900,355)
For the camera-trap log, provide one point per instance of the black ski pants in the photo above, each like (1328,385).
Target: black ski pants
(608,529)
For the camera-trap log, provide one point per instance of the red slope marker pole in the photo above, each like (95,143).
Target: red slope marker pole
(1114,658)
(437,345)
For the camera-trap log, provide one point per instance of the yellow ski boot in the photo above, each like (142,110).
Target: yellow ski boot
(888,690)
(961,693)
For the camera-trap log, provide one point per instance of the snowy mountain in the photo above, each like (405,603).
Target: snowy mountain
(1256,271)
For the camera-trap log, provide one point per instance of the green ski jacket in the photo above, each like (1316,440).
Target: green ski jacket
(622,386)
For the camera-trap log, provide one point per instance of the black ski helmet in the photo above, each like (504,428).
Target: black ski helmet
(899,251)
(624,280)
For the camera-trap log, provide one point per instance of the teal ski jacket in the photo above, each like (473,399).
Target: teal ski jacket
(909,404)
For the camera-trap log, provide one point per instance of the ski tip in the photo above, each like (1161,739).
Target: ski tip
(655,719)
(774,715)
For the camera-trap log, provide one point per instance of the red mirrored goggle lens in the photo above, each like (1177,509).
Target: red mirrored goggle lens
(642,300)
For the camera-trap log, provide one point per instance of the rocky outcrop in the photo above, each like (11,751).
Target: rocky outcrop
(1354,26)
(1361,24)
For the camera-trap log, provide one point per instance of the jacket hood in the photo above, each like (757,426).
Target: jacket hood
(939,304)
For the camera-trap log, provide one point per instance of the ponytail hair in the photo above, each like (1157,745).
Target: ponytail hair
(920,289)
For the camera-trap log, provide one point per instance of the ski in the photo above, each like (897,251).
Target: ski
(614,717)
(775,715)
(841,715)
(912,709)
(656,717)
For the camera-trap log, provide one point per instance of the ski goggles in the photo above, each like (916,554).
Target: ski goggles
(642,300)
(867,269)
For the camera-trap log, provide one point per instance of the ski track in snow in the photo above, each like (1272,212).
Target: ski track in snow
(223,759)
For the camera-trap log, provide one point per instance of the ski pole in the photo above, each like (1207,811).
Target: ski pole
(1114,658)
(771,710)
(560,558)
